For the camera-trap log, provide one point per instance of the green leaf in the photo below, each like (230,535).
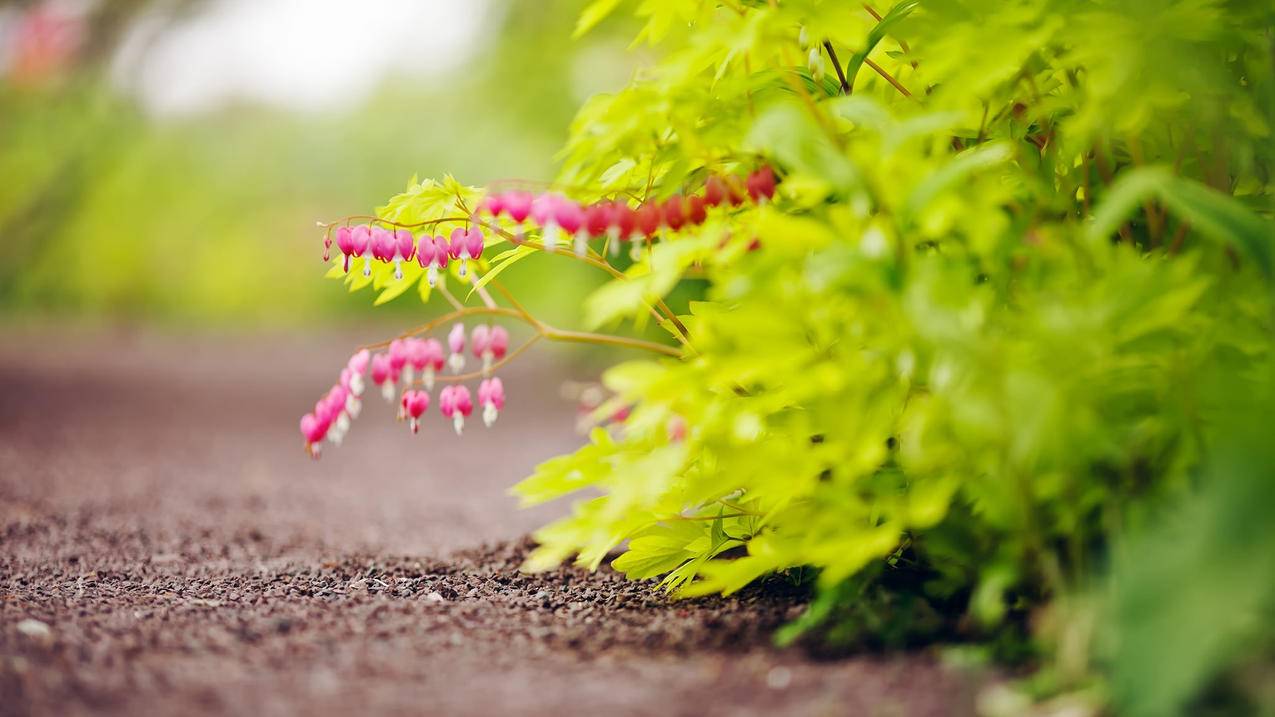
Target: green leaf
(594,13)
(1215,215)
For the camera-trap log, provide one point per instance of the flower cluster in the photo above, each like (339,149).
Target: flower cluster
(407,363)
(560,218)
(432,252)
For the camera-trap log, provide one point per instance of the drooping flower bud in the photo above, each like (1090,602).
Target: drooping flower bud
(499,342)
(491,396)
(383,244)
(494,204)
(360,243)
(714,191)
(414,403)
(357,366)
(455,403)
(761,185)
(695,211)
(313,429)
(382,375)
(814,62)
(648,218)
(456,247)
(398,357)
(518,205)
(345,243)
(674,214)
(570,217)
(434,361)
(456,342)
(404,250)
(597,217)
(483,343)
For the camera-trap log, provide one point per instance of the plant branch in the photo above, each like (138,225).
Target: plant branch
(836,65)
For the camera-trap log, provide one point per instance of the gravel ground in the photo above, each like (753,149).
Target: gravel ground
(167,548)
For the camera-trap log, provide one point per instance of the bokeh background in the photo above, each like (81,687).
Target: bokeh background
(164,161)
(164,316)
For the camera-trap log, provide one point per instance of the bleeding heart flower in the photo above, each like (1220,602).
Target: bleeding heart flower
(674,216)
(455,403)
(414,403)
(761,185)
(404,250)
(313,429)
(518,205)
(360,242)
(456,342)
(714,191)
(491,396)
(695,210)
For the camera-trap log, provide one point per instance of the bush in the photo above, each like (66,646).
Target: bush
(1016,270)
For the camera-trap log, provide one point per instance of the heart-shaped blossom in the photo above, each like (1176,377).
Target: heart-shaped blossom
(414,403)
(761,185)
(456,342)
(455,403)
(491,396)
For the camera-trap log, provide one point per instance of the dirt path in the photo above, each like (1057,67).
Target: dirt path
(165,548)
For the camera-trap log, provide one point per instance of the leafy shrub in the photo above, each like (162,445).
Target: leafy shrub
(1016,268)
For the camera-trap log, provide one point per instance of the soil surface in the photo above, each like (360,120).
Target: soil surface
(167,548)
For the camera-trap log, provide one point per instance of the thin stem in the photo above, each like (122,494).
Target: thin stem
(711,517)
(373,219)
(435,323)
(482,291)
(888,77)
(836,65)
(659,309)
(483,373)
(442,289)
(584,337)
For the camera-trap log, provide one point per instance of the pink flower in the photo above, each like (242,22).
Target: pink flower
(761,185)
(383,375)
(383,244)
(360,240)
(433,355)
(455,403)
(518,205)
(596,218)
(491,396)
(404,249)
(313,429)
(544,211)
(499,343)
(456,342)
(695,209)
(345,244)
(432,254)
(494,204)
(480,340)
(414,403)
(465,244)
(674,215)
(489,344)
(714,191)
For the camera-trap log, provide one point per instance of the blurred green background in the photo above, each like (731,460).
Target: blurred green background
(151,173)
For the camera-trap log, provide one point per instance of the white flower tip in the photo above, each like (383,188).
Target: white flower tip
(458,422)
(489,415)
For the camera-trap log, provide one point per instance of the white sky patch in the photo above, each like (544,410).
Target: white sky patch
(302,55)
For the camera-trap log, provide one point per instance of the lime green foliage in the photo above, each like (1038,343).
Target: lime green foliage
(1019,262)
(994,305)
